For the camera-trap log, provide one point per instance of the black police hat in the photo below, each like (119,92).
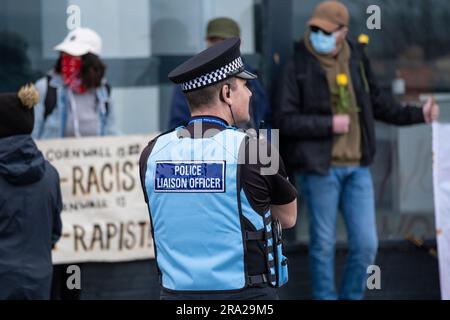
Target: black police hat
(215,64)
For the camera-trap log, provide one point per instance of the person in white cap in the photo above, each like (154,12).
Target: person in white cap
(75,96)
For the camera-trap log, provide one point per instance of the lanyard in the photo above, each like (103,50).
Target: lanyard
(210,120)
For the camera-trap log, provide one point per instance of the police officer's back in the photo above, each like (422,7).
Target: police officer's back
(213,213)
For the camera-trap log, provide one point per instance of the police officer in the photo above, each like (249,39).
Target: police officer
(216,219)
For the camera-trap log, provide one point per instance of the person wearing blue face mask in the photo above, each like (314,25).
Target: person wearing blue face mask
(322,41)
(328,102)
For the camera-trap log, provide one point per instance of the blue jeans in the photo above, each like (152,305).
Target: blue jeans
(350,190)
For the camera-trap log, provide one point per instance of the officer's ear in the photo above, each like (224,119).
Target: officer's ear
(225,93)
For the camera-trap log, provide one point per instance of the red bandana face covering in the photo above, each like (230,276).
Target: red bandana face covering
(70,73)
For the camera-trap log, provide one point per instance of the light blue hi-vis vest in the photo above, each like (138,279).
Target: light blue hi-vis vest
(192,189)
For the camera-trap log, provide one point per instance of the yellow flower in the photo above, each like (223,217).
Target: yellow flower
(363,38)
(342,79)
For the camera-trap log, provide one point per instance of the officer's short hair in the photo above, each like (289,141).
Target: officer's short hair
(206,96)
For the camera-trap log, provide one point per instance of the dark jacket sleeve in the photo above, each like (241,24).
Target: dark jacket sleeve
(179,109)
(288,117)
(57,208)
(260,103)
(143,165)
(385,108)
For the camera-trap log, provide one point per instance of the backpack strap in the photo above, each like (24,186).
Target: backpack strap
(50,98)
(108,91)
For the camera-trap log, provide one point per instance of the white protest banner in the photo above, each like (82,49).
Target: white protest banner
(105,217)
(441,181)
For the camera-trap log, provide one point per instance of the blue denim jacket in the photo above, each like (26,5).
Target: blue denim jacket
(54,126)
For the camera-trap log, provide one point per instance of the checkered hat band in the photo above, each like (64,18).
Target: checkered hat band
(213,77)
